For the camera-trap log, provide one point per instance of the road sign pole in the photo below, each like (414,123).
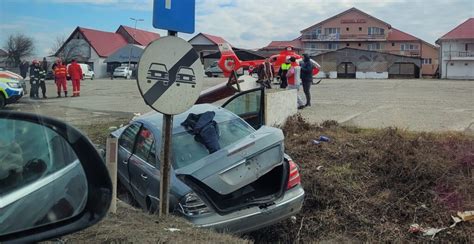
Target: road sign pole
(165,165)
(166,158)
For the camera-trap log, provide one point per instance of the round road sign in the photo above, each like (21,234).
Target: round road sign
(170,75)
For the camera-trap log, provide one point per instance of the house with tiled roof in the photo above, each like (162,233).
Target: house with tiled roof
(457,52)
(92,46)
(356,29)
(275,47)
(206,44)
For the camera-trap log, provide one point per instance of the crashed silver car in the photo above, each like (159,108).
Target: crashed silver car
(246,183)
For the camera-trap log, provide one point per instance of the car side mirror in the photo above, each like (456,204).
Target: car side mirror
(52,180)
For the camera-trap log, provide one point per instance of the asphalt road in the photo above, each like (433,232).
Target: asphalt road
(414,104)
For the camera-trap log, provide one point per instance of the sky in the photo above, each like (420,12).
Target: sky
(243,23)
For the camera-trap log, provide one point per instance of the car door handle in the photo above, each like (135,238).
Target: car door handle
(125,162)
(144,176)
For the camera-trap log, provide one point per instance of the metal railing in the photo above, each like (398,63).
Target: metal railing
(338,36)
(459,54)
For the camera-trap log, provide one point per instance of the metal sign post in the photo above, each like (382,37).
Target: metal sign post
(170,77)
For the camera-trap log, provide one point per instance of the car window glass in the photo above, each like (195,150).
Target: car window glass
(127,139)
(187,150)
(41,178)
(246,103)
(145,141)
(152,156)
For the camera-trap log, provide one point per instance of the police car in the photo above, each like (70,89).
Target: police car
(10,91)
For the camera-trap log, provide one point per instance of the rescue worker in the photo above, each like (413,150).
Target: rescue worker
(42,79)
(282,72)
(307,77)
(60,74)
(36,74)
(75,72)
(294,81)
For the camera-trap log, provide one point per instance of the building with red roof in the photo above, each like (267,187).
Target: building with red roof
(94,46)
(356,29)
(206,44)
(457,52)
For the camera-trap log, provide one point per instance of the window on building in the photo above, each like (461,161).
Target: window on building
(347,28)
(360,44)
(427,61)
(374,46)
(360,28)
(393,44)
(408,47)
(375,31)
(333,46)
(329,31)
(313,46)
(347,44)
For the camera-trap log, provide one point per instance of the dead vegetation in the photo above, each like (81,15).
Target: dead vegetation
(130,225)
(374,183)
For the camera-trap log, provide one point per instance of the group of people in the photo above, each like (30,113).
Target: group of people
(292,75)
(60,71)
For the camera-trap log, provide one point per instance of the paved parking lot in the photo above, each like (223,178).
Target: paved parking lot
(421,105)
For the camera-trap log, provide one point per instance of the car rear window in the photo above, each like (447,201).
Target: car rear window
(186,150)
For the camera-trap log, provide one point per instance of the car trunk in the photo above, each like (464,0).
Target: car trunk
(249,172)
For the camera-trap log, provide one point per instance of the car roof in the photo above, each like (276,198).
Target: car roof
(155,119)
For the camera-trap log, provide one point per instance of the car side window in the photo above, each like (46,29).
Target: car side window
(127,139)
(145,146)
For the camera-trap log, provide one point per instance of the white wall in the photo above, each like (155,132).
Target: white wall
(100,68)
(371,75)
(279,105)
(461,69)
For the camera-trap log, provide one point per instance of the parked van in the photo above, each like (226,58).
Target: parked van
(87,72)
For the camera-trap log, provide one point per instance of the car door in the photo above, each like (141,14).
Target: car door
(126,143)
(144,170)
(248,105)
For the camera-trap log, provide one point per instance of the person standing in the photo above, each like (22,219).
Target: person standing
(24,69)
(294,81)
(307,77)
(60,74)
(75,72)
(42,79)
(282,72)
(44,64)
(36,74)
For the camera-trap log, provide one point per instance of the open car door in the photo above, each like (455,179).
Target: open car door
(249,105)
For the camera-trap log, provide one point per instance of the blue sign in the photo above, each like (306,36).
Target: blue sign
(174,15)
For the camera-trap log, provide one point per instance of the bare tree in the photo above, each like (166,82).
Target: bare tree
(73,49)
(57,44)
(18,46)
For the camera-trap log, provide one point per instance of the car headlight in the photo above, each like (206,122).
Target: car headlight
(14,84)
(192,205)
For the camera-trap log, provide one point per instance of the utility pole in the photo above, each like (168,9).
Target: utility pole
(133,37)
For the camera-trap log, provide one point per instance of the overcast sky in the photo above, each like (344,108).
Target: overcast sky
(244,23)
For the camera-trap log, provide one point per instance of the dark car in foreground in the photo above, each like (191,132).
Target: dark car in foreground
(248,184)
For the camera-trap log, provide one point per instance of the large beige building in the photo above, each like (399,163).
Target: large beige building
(356,29)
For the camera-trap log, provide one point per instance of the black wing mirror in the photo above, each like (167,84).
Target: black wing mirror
(52,179)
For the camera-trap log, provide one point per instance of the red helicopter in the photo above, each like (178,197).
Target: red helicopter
(229,61)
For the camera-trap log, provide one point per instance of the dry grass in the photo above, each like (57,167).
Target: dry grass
(130,225)
(375,183)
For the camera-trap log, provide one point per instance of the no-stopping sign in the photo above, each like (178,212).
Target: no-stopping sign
(170,75)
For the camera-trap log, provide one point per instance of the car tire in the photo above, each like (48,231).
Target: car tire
(92,77)
(2,101)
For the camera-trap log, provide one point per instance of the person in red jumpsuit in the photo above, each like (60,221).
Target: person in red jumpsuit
(75,72)
(60,74)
